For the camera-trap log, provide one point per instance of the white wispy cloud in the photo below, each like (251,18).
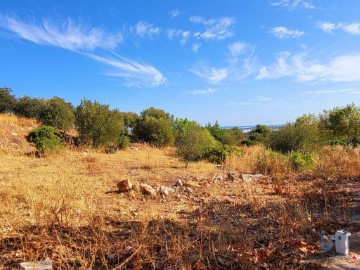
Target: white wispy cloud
(293,4)
(66,34)
(144,29)
(184,37)
(135,73)
(327,27)
(204,91)
(283,32)
(350,28)
(216,29)
(174,13)
(237,48)
(195,47)
(211,74)
(351,91)
(342,68)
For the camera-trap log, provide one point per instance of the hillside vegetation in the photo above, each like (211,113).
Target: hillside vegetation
(66,206)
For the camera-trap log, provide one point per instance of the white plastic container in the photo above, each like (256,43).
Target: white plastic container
(342,243)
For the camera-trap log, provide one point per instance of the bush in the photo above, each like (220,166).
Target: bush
(216,131)
(219,153)
(124,140)
(233,136)
(58,113)
(302,162)
(155,127)
(97,124)
(342,122)
(302,136)
(46,139)
(194,142)
(29,107)
(7,100)
(260,134)
(272,163)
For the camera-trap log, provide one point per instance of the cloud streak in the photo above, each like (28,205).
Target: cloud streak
(67,35)
(144,29)
(342,68)
(283,32)
(136,74)
(211,74)
(216,29)
(293,4)
(204,91)
(350,28)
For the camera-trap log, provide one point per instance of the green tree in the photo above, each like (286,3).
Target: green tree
(58,113)
(29,107)
(130,119)
(233,136)
(155,127)
(194,142)
(302,136)
(97,124)
(7,100)
(343,123)
(216,131)
(260,134)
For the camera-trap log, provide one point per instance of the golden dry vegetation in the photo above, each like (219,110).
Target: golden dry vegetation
(66,207)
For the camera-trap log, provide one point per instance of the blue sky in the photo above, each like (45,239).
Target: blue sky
(238,62)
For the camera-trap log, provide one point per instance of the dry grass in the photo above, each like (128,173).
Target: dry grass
(66,207)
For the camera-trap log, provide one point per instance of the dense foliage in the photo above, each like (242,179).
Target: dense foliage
(7,100)
(57,113)
(46,139)
(98,125)
(154,126)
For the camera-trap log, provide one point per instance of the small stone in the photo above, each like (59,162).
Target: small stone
(42,265)
(124,185)
(166,190)
(188,190)
(178,183)
(148,190)
(251,177)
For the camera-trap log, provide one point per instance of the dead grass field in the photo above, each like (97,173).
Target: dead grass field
(66,207)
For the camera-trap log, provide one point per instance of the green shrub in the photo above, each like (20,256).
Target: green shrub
(155,127)
(302,162)
(233,136)
(29,107)
(342,122)
(272,163)
(259,135)
(57,113)
(124,140)
(216,131)
(193,142)
(219,153)
(303,135)
(97,124)
(7,100)
(46,139)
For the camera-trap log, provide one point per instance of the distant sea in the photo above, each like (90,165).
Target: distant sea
(249,128)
